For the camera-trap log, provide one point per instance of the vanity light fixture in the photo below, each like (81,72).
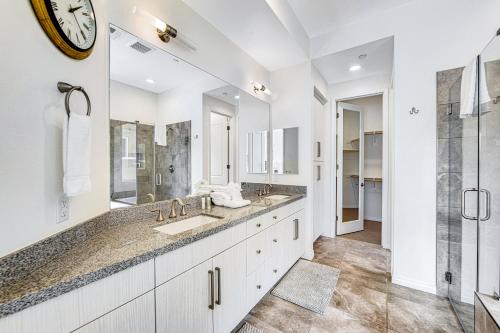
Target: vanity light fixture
(260,87)
(165,31)
(355,68)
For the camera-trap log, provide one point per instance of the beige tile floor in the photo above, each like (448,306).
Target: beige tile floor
(365,300)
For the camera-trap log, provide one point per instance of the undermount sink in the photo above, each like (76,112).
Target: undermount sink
(187,224)
(277,197)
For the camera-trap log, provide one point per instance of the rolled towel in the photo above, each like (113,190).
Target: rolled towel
(237,204)
(220,198)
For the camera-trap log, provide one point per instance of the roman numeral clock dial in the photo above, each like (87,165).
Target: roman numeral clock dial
(70,24)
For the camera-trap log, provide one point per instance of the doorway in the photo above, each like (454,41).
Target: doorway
(219,148)
(359,174)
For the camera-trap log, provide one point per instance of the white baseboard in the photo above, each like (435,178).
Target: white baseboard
(413,284)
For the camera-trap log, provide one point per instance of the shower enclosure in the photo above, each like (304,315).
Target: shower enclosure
(132,162)
(468,183)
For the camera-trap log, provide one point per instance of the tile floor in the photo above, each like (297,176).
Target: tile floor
(365,300)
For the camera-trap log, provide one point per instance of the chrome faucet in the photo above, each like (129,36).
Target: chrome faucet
(173,213)
(267,188)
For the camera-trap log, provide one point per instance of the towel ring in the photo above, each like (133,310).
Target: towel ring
(67,88)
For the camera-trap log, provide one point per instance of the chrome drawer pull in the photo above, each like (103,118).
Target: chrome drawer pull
(258,251)
(259,286)
(211,281)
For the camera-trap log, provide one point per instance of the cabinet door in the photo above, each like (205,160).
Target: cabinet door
(136,316)
(278,241)
(319,130)
(230,288)
(298,224)
(182,304)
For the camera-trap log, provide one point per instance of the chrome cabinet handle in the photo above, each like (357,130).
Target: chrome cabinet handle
(487,215)
(275,240)
(211,281)
(464,214)
(259,286)
(218,301)
(258,251)
(318,177)
(259,225)
(275,217)
(318,144)
(296,221)
(158,179)
(275,270)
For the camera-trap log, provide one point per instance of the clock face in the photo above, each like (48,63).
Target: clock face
(75,22)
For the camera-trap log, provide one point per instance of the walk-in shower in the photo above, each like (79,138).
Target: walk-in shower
(468,183)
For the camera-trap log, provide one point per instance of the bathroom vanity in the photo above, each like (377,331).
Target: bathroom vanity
(129,277)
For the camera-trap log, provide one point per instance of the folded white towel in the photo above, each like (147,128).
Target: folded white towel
(220,197)
(468,90)
(76,155)
(237,204)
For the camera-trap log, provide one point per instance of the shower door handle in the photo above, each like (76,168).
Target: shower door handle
(488,205)
(464,214)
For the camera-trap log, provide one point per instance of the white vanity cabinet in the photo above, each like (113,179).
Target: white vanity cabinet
(207,297)
(137,316)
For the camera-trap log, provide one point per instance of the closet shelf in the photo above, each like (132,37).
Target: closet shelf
(368,179)
(369,133)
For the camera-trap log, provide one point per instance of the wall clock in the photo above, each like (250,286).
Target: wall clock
(70,24)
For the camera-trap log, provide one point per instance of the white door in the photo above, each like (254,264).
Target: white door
(230,270)
(219,149)
(184,304)
(350,172)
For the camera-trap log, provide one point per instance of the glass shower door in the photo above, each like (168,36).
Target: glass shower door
(489,170)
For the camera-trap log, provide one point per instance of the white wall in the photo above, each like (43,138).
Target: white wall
(429,36)
(132,104)
(292,107)
(32,108)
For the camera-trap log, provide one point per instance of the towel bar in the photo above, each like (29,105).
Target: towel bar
(67,88)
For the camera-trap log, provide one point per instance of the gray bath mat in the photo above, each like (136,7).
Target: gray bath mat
(247,328)
(309,285)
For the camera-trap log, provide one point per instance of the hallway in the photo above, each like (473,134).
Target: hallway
(365,300)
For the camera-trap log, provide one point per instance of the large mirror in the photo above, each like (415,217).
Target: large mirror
(173,126)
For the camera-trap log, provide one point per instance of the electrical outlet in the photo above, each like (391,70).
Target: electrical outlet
(62,209)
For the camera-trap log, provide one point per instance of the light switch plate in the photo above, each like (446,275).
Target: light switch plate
(62,209)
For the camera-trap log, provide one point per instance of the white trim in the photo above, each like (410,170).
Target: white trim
(414,284)
(387,163)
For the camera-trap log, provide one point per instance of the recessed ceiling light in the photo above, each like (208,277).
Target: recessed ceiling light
(150,81)
(237,97)
(355,68)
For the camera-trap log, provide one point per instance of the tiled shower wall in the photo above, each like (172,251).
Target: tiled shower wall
(449,181)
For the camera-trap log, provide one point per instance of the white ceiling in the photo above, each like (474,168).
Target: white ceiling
(133,68)
(254,27)
(322,16)
(226,94)
(335,67)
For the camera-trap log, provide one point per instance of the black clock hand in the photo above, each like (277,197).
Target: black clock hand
(72,11)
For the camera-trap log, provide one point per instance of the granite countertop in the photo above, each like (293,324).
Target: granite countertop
(492,305)
(113,249)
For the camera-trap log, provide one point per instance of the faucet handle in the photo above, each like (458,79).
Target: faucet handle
(160,217)
(183,209)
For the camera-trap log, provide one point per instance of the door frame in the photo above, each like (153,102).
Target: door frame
(387,160)
(354,225)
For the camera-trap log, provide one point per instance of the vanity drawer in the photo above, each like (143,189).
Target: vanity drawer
(257,225)
(257,286)
(281,213)
(257,251)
